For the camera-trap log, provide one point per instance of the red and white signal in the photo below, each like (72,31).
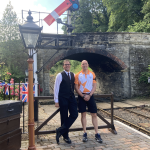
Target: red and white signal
(57,12)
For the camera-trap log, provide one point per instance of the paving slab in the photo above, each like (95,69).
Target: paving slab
(105,105)
(116,104)
(119,104)
(126,139)
(135,103)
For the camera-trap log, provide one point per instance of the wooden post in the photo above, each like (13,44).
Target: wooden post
(31,106)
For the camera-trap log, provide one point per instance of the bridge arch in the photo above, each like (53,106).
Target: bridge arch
(105,60)
(120,57)
(107,67)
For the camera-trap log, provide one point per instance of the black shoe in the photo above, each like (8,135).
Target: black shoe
(98,138)
(67,140)
(58,135)
(85,139)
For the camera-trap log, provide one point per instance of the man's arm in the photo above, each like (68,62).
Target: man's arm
(93,90)
(58,80)
(87,97)
(78,91)
(76,86)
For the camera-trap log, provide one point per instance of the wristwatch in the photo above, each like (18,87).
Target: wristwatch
(83,96)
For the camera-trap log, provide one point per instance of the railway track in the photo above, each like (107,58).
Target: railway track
(127,109)
(127,122)
(141,107)
(139,128)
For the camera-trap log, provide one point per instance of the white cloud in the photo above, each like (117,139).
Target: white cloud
(20,5)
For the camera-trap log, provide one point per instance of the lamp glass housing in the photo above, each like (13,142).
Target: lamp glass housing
(30,39)
(30,32)
(26,72)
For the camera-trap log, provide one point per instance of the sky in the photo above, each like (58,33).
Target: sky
(35,5)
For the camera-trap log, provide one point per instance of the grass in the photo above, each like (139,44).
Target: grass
(75,68)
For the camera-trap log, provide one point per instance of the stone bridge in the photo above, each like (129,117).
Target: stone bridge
(117,58)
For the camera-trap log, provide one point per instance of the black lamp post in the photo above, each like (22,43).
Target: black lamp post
(30,33)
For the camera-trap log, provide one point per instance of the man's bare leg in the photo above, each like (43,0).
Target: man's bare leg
(83,121)
(94,121)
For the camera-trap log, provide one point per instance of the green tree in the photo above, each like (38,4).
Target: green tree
(99,15)
(91,17)
(9,25)
(123,13)
(11,46)
(83,18)
(144,24)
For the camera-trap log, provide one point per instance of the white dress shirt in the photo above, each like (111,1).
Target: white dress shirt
(58,81)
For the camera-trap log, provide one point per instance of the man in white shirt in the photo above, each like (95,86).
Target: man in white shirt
(65,99)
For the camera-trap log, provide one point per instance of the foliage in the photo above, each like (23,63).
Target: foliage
(4,73)
(17,74)
(58,67)
(91,17)
(144,24)
(123,13)
(9,25)
(11,47)
(112,15)
(144,76)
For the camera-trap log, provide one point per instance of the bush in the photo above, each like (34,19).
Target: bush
(144,76)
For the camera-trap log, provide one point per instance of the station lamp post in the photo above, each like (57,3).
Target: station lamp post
(30,33)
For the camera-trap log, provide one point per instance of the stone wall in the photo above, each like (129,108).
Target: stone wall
(139,61)
(116,58)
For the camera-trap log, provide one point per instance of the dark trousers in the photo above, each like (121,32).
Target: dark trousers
(66,122)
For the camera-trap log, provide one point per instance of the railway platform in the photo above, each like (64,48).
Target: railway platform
(127,138)
(126,104)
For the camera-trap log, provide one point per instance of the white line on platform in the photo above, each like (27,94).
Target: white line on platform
(133,129)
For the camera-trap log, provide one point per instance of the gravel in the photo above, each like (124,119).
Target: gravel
(131,117)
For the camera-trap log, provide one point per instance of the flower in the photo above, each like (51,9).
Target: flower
(16,94)
(11,88)
(12,93)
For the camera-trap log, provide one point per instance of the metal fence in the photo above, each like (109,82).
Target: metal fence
(13,84)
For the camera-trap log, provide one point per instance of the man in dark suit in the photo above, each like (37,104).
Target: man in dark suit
(65,99)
